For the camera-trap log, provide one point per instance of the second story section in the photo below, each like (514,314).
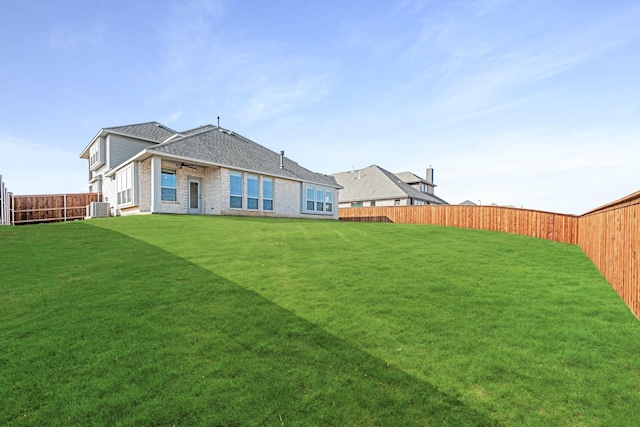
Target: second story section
(112,146)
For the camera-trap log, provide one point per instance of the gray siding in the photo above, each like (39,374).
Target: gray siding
(121,148)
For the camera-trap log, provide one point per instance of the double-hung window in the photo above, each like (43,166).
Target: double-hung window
(328,200)
(124,185)
(96,154)
(267,194)
(318,199)
(235,190)
(252,192)
(311,198)
(168,186)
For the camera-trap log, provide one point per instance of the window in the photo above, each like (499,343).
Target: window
(235,190)
(168,183)
(252,192)
(267,194)
(396,202)
(357,204)
(311,200)
(94,151)
(318,199)
(259,192)
(328,201)
(124,184)
(373,203)
(96,154)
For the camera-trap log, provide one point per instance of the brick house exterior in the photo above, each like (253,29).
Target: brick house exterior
(149,168)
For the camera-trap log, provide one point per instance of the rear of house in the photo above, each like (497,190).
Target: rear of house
(150,168)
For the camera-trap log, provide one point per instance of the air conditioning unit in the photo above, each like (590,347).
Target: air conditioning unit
(98,209)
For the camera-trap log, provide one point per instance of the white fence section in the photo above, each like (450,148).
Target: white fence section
(5,204)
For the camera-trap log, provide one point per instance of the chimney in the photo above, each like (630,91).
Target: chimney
(430,185)
(430,175)
(282,160)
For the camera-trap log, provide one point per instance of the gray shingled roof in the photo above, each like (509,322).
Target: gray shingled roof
(198,129)
(412,178)
(222,147)
(152,131)
(376,183)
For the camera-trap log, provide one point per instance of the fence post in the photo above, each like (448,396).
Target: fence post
(13,210)
(2,202)
(64,213)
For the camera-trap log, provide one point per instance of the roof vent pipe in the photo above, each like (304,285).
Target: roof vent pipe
(282,160)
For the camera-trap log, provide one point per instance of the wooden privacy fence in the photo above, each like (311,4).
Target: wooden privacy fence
(545,225)
(50,207)
(609,235)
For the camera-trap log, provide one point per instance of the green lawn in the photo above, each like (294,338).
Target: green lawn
(175,320)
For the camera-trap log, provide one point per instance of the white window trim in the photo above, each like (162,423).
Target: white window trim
(97,154)
(172,172)
(129,187)
(314,211)
(244,176)
(241,195)
(257,195)
(263,198)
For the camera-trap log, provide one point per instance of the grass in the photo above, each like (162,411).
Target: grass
(175,320)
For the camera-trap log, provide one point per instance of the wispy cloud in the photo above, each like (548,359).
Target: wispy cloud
(487,68)
(174,116)
(465,59)
(269,98)
(188,30)
(74,39)
(262,77)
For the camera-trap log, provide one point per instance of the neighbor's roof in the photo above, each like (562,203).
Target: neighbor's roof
(217,146)
(412,178)
(376,183)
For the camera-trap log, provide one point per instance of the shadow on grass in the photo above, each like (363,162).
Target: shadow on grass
(106,329)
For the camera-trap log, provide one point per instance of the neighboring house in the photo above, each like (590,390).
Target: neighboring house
(150,168)
(375,186)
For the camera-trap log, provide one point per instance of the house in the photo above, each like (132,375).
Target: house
(150,168)
(375,186)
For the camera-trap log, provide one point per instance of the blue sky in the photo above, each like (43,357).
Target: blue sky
(525,103)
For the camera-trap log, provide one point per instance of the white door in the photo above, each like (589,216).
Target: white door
(195,196)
